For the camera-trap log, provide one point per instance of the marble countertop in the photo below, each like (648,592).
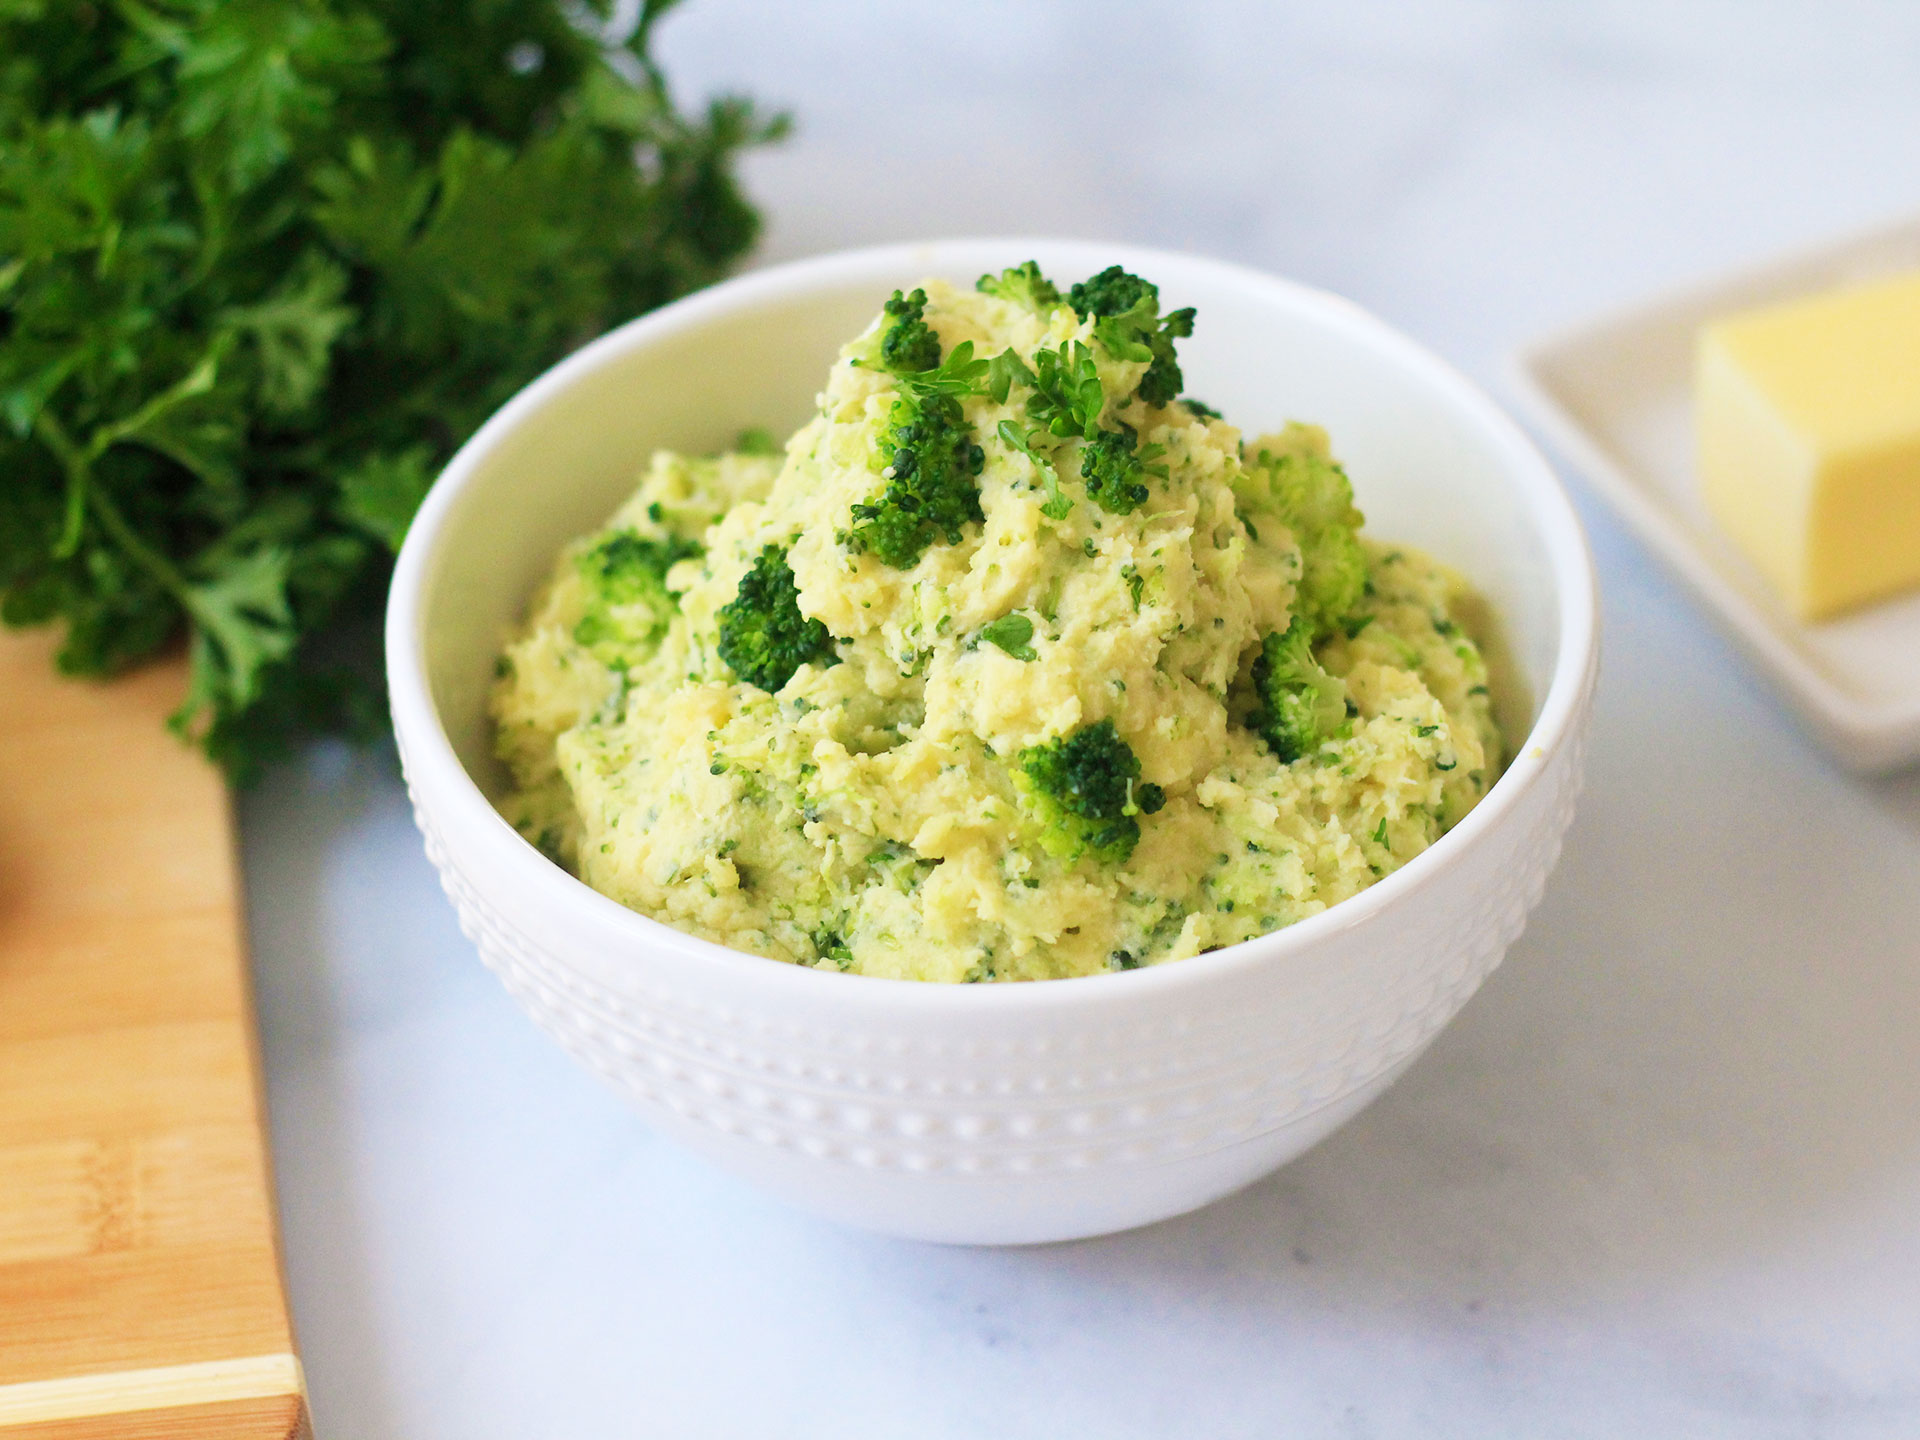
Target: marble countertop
(1661,1177)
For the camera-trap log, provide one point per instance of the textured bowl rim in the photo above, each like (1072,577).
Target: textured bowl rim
(434,767)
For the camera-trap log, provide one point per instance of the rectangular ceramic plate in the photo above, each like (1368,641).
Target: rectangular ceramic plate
(1616,397)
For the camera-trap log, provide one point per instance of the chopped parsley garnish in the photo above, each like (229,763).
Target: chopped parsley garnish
(1012,633)
(1065,399)
(827,945)
(1057,505)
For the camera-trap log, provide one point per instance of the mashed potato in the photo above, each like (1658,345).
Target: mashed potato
(1051,672)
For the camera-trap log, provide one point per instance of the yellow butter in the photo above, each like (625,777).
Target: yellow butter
(1808,418)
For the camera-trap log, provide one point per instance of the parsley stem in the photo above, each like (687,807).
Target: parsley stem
(137,550)
(79,474)
(78,463)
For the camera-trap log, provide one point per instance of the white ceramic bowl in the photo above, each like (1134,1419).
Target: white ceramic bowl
(993,1113)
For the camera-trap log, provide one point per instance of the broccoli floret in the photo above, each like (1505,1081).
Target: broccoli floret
(933,490)
(1301,705)
(1112,292)
(626,567)
(1126,310)
(1086,787)
(628,603)
(927,448)
(908,343)
(1313,496)
(1024,285)
(1114,471)
(1163,380)
(763,636)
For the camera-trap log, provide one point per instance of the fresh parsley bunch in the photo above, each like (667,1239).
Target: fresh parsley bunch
(263,265)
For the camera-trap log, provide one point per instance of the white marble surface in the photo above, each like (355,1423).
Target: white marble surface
(1662,1177)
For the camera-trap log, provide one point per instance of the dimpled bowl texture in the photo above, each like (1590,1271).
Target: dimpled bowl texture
(994,1113)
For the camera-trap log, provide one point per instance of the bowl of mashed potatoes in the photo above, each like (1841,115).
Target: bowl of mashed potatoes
(995,741)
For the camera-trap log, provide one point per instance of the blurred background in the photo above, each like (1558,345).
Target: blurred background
(1663,1173)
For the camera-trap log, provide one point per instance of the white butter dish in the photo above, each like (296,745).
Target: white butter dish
(1614,395)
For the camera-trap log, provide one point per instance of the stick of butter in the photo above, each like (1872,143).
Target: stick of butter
(1808,418)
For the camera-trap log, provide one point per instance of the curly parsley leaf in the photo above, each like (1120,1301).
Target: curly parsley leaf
(1057,504)
(1013,634)
(243,622)
(264,264)
(381,493)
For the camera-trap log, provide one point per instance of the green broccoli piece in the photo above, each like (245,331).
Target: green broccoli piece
(628,603)
(908,343)
(1301,705)
(1126,311)
(933,489)
(763,636)
(927,449)
(1086,788)
(1163,380)
(1314,498)
(1024,285)
(1116,472)
(1112,292)
(626,567)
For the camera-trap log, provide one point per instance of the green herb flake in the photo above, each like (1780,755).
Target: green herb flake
(1012,634)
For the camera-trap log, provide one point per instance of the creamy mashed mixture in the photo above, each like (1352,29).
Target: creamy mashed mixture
(1011,665)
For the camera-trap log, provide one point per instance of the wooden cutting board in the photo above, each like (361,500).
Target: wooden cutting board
(140,1285)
